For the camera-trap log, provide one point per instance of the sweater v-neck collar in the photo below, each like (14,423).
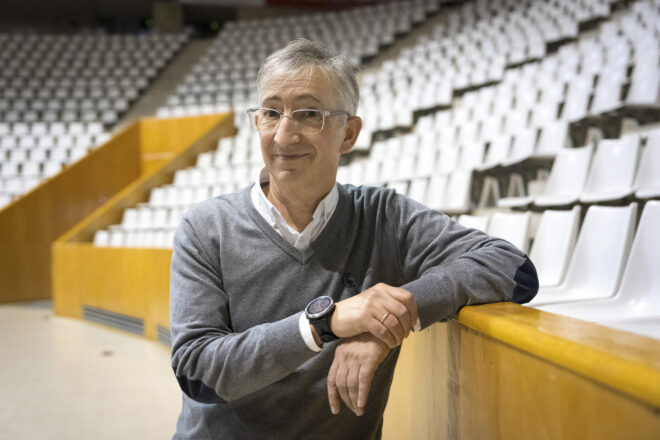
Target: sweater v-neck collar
(315,246)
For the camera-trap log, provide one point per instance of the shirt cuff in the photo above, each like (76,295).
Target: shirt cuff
(306,333)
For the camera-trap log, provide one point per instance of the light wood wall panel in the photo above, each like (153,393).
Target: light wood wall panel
(504,371)
(161,140)
(31,223)
(129,281)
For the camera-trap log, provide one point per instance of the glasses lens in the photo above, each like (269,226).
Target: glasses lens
(309,118)
(267,118)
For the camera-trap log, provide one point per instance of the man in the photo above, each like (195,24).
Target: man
(290,298)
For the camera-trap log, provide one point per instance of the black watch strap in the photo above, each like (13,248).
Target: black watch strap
(322,327)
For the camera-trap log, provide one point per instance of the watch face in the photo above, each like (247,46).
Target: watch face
(319,305)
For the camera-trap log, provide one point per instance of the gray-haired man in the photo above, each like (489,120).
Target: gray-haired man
(291,297)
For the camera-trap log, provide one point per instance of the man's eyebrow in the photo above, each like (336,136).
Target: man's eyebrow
(297,98)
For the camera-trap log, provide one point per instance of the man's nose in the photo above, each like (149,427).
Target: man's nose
(287,132)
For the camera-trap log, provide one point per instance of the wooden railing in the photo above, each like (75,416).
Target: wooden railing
(505,371)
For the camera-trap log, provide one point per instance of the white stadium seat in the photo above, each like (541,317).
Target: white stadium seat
(597,263)
(553,245)
(636,304)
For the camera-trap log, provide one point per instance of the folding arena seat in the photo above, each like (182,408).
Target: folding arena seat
(523,147)
(644,85)
(400,186)
(101,238)
(31,168)
(448,160)
(577,98)
(636,304)
(426,161)
(472,155)
(10,169)
(117,236)
(457,198)
(417,189)
(607,94)
(513,227)
(406,165)
(553,244)
(553,137)
(479,222)
(647,182)
(436,190)
(597,263)
(612,172)
(516,121)
(567,177)
(498,151)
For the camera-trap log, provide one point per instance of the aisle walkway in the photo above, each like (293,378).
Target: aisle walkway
(68,379)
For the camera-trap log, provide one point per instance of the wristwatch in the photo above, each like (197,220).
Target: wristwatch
(318,313)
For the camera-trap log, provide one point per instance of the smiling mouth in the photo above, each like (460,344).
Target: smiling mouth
(289,157)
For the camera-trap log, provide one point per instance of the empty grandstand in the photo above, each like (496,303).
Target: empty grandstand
(534,121)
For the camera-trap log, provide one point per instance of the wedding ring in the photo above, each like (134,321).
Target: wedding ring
(382,320)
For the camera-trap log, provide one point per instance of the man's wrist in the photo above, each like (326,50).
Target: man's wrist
(315,334)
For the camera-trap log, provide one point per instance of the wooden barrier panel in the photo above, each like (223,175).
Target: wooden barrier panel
(504,371)
(31,223)
(131,283)
(161,140)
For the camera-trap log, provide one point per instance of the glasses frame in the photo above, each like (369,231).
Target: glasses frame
(325,113)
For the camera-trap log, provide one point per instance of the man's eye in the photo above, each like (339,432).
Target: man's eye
(308,115)
(270,114)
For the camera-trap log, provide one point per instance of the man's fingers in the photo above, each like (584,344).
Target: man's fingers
(403,297)
(342,387)
(393,325)
(376,328)
(365,377)
(333,392)
(353,386)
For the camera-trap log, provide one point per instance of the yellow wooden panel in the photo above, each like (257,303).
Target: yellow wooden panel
(31,223)
(138,191)
(625,361)
(130,281)
(417,407)
(162,139)
(506,393)
(480,386)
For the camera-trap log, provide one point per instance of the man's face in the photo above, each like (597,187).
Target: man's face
(292,154)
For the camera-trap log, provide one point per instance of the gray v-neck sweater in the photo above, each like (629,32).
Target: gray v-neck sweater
(238,288)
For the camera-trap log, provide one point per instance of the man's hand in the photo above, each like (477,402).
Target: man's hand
(349,380)
(388,313)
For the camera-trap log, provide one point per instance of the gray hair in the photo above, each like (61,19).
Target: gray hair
(304,54)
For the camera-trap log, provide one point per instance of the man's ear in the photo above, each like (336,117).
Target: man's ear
(351,133)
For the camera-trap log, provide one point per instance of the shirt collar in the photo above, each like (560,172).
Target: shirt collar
(269,212)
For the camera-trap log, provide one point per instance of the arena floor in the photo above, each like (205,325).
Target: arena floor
(70,379)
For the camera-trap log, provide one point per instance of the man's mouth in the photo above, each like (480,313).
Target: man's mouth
(290,156)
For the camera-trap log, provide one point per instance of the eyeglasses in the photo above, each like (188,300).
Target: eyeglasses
(307,119)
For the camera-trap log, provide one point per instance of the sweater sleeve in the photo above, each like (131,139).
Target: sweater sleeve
(212,363)
(448,266)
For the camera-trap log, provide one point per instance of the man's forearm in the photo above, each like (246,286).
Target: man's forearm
(215,367)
